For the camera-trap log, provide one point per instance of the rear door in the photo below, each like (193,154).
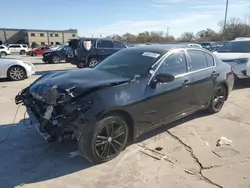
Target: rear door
(104,48)
(14,48)
(40,51)
(203,74)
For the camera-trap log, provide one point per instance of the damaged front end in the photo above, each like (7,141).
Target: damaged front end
(53,110)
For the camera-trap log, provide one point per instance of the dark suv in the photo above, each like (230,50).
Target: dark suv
(88,52)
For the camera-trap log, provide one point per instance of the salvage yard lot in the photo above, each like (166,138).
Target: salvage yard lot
(181,154)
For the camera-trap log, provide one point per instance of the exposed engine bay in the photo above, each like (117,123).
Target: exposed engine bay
(56,106)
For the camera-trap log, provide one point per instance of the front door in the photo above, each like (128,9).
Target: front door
(203,76)
(171,99)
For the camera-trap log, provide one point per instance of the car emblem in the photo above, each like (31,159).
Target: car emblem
(87,45)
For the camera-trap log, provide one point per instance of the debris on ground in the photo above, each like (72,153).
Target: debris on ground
(158,148)
(223,141)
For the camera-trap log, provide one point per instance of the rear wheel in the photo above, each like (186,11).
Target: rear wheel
(16,73)
(218,99)
(22,52)
(34,54)
(107,139)
(3,54)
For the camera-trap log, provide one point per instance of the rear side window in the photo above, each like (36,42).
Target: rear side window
(1,47)
(14,46)
(25,46)
(197,60)
(210,60)
(104,44)
(118,44)
(73,44)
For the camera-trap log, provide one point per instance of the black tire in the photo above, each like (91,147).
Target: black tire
(218,99)
(16,73)
(34,54)
(93,62)
(103,142)
(3,54)
(81,65)
(55,59)
(22,52)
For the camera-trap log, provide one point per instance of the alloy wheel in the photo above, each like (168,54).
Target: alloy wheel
(17,73)
(92,63)
(110,140)
(219,99)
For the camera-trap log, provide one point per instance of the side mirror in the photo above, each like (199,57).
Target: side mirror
(164,77)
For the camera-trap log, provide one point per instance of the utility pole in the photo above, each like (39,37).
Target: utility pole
(225,21)
(167,33)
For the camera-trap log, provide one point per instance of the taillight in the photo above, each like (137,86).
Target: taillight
(232,69)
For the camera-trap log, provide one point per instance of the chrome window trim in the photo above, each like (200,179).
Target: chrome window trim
(161,60)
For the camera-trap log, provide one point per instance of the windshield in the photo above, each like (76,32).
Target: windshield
(239,46)
(129,63)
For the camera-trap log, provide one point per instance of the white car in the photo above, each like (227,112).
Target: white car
(4,51)
(15,69)
(18,48)
(237,54)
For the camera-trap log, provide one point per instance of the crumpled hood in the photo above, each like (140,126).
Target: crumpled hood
(78,81)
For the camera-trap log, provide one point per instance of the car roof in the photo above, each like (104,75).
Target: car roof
(162,48)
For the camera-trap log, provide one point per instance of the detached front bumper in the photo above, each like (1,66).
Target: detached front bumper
(37,125)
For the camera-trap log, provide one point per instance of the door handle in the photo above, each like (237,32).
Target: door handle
(186,83)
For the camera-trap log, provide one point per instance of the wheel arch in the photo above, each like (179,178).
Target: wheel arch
(127,117)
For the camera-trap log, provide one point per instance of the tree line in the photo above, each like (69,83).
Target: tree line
(234,28)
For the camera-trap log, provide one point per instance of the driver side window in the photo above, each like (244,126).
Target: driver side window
(174,64)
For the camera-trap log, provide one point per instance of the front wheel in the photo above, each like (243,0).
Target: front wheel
(3,54)
(16,73)
(55,59)
(218,99)
(81,65)
(106,140)
(93,62)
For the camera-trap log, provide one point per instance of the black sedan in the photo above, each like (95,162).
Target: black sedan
(56,56)
(132,91)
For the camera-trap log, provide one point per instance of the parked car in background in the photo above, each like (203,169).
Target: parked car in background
(4,51)
(195,45)
(88,52)
(237,54)
(130,92)
(56,56)
(18,48)
(38,51)
(15,69)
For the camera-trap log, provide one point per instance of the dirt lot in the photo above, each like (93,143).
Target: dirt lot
(182,154)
